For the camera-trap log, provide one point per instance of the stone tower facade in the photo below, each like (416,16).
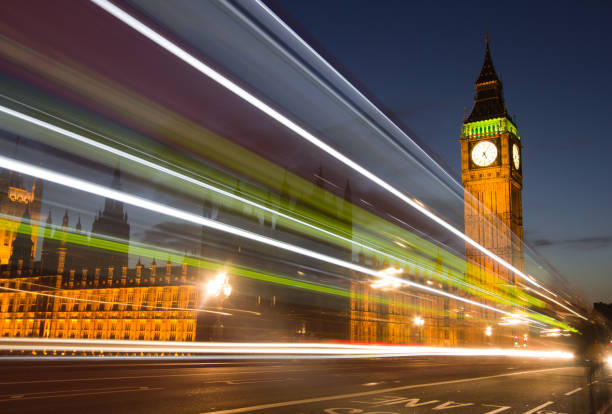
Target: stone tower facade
(16,200)
(492,174)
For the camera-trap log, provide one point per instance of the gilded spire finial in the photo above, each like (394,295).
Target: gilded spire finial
(487,37)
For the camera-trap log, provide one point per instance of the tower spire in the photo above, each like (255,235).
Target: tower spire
(489,100)
(65,220)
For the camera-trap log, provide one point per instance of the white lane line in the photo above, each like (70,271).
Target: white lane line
(149,376)
(40,397)
(381,391)
(64,391)
(539,407)
(500,408)
(573,391)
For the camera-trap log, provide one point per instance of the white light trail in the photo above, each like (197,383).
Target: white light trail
(186,178)
(398,130)
(261,349)
(191,180)
(146,204)
(282,119)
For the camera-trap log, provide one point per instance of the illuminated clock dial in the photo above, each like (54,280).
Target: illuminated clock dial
(484,153)
(516,156)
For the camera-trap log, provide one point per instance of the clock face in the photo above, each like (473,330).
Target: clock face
(484,153)
(516,156)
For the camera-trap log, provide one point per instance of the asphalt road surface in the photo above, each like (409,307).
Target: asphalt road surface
(349,386)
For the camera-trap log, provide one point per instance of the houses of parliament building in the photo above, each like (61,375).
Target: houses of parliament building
(82,289)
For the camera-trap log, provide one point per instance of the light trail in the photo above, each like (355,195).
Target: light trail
(186,178)
(232,195)
(282,119)
(49,295)
(263,350)
(191,180)
(144,162)
(146,204)
(380,113)
(149,251)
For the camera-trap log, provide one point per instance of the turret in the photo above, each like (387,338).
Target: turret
(20,262)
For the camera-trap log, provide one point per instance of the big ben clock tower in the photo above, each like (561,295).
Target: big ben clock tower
(491,170)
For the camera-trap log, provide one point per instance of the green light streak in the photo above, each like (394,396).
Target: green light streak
(141,250)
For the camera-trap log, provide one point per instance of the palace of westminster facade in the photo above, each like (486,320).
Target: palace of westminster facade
(78,291)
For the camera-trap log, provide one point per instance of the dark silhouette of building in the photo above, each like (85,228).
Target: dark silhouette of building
(112,222)
(20,262)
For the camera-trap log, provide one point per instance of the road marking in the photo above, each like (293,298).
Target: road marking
(499,410)
(573,391)
(64,391)
(151,376)
(539,407)
(450,404)
(240,382)
(382,391)
(39,397)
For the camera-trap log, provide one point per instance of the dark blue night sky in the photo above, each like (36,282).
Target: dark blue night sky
(420,60)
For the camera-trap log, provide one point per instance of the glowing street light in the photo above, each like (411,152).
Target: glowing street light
(219,284)
(219,288)
(419,322)
(489,331)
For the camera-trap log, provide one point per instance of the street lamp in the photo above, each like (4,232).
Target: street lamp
(219,285)
(219,288)
(419,322)
(489,331)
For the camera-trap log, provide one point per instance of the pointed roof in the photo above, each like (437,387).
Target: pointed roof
(26,215)
(489,100)
(49,221)
(113,208)
(487,73)
(24,226)
(65,220)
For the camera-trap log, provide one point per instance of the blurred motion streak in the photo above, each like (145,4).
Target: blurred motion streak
(259,349)
(266,198)
(162,209)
